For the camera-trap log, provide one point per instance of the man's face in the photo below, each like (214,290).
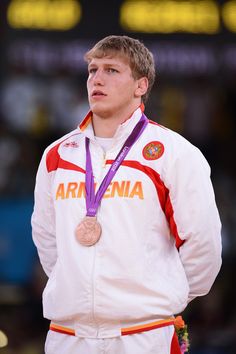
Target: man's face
(111,86)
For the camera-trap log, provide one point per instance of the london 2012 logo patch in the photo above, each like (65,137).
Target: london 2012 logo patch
(153,150)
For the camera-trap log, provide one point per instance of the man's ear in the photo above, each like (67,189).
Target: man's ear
(142,86)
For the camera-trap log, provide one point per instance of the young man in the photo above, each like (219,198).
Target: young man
(125,220)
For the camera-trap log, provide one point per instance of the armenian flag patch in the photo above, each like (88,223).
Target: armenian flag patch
(153,150)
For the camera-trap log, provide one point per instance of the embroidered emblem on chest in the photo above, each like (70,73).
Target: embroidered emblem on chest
(153,150)
(73,144)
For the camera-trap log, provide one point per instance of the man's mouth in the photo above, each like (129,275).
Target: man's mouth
(97,93)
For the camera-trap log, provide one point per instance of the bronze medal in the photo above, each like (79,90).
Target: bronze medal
(88,231)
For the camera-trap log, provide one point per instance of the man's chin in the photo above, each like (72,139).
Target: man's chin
(101,112)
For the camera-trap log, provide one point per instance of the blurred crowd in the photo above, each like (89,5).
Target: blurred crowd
(34,111)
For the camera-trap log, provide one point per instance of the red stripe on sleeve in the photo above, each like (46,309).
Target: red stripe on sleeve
(52,158)
(66,165)
(169,212)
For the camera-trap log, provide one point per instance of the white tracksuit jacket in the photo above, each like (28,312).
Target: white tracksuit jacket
(160,245)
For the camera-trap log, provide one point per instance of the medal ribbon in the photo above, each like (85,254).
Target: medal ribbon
(92,200)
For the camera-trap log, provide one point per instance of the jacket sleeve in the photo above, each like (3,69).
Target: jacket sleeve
(43,219)
(196,218)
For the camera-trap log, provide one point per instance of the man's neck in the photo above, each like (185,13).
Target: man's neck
(105,127)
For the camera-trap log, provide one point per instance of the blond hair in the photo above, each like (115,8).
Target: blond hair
(139,57)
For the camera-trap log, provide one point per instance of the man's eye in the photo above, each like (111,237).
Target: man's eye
(92,70)
(111,70)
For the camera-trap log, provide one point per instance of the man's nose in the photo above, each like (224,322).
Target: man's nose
(98,77)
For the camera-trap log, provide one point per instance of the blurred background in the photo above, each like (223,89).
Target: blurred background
(43,96)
